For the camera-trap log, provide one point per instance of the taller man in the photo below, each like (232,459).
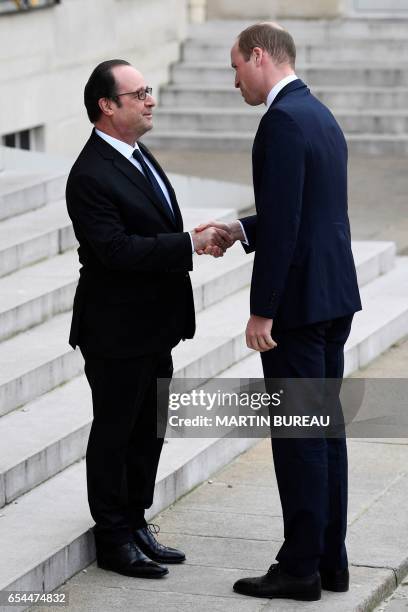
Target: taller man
(133,304)
(304,284)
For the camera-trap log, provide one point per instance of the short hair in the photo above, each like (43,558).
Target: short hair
(101,84)
(270,37)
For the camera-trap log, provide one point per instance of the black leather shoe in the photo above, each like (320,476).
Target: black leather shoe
(336,580)
(277,584)
(146,541)
(129,560)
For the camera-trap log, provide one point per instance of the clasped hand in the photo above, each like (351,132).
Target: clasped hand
(214,238)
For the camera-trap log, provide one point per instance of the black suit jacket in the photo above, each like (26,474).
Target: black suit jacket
(303,267)
(134,294)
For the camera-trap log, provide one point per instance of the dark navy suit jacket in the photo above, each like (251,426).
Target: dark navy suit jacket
(304,270)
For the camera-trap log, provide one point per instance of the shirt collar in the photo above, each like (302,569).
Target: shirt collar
(278,87)
(123,147)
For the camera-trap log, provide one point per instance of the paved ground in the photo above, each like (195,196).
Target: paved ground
(378,188)
(231,527)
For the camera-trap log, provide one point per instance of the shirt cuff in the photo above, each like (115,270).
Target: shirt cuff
(244,232)
(192,243)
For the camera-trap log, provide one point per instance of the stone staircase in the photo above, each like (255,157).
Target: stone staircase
(45,404)
(358,67)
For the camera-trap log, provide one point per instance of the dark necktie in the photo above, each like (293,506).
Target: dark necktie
(153,181)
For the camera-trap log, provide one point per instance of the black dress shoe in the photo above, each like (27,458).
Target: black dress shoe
(277,584)
(146,541)
(335,580)
(129,560)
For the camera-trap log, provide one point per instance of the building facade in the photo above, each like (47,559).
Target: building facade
(48,54)
(49,47)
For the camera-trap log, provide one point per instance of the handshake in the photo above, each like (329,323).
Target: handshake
(214,238)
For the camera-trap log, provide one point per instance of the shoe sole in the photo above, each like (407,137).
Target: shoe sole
(297,597)
(124,573)
(167,561)
(337,589)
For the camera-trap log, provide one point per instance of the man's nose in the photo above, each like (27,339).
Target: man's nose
(150,101)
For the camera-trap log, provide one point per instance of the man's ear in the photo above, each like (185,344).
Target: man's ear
(105,104)
(257,54)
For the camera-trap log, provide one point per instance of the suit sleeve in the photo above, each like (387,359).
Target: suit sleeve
(274,230)
(96,218)
(249,227)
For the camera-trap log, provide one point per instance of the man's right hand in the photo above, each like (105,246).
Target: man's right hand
(216,239)
(234,229)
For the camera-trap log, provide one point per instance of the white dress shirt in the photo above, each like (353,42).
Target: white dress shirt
(127,151)
(278,87)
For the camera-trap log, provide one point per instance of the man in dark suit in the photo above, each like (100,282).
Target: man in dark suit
(133,304)
(304,285)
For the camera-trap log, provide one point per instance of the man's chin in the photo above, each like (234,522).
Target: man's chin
(253,102)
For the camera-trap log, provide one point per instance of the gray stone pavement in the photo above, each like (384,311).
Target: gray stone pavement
(231,527)
(378,188)
(397,602)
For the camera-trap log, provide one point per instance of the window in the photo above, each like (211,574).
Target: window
(17,6)
(381,5)
(30,140)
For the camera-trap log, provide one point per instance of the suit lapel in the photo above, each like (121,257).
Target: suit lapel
(132,173)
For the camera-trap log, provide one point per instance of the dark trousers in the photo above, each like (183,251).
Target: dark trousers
(311,473)
(123,448)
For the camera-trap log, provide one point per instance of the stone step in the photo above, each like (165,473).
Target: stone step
(50,432)
(46,232)
(378,144)
(33,236)
(352,74)
(26,373)
(306,30)
(46,536)
(364,144)
(225,96)
(36,293)
(246,119)
(383,320)
(336,51)
(55,542)
(21,192)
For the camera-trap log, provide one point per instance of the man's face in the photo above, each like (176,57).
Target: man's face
(133,116)
(247,76)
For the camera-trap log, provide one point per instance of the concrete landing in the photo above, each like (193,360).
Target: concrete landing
(231,527)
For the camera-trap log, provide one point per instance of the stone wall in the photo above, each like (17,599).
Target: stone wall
(46,57)
(259,9)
